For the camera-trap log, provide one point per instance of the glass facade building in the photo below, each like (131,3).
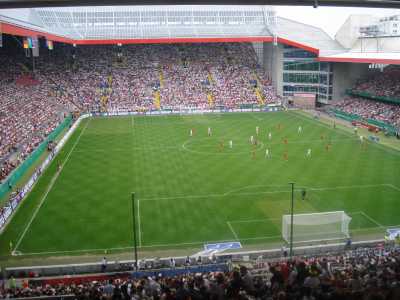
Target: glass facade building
(302,73)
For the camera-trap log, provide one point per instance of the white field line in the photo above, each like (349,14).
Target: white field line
(280,219)
(148,246)
(169,245)
(252,186)
(372,220)
(256,117)
(127,150)
(139,223)
(138,201)
(53,180)
(255,220)
(261,193)
(232,230)
(321,124)
(184,146)
(393,186)
(179,244)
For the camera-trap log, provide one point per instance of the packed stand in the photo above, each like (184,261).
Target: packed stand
(116,79)
(127,78)
(369,109)
(28,114)
(382,84)
(363,274)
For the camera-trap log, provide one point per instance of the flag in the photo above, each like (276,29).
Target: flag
(25,42)
(35,42)
(35,46)
(50,45)
(30,43)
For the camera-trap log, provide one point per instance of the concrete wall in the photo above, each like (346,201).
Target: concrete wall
(259,49)
(273,65)
(345,76)
(348,33)
(380,44)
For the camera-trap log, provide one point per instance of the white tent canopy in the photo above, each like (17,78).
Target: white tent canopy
(132,22)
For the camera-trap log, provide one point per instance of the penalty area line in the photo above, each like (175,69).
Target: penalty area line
(147,246)
(279,219)
(139,224)
(372,220)
(393,187)
(263,192)
(49,188)
(232,230)
(268,237)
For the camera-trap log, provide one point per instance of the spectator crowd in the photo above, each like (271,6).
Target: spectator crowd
(380,84)
(363,274)
(140,78)
(370,109)
(111,78)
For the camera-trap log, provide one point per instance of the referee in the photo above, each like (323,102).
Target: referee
(303,194)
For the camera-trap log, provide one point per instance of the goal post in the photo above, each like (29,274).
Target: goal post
(312,227)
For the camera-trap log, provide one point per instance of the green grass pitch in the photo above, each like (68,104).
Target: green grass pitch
(191,190)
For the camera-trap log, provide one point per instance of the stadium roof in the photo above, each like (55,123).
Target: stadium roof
(79,24)
(158,24)
(177,24)
(55,3)
(126,22)
(304,34)
(364,57)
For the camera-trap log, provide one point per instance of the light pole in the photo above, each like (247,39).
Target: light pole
(291,222)
(134,231)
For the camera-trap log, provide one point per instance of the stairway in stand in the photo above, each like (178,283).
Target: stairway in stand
(258,91)
(157,99)
(210,97)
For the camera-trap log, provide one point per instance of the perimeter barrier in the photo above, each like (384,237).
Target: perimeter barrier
(390,129)
(21,170)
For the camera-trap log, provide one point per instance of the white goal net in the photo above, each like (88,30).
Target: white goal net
(316,226)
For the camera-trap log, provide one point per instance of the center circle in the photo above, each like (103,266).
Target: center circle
(219,146)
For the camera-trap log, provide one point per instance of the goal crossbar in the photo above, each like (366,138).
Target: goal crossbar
(312,227)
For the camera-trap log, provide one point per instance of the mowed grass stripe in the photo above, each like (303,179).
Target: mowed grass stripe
(89,207)
(52,182)
(22,217)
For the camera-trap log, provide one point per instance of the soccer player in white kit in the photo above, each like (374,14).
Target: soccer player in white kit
(269,135)
(267,153)
(300,129)
(257,130)
(252,139)
(309,152)
(361,138)
(231,144)
(191,132)
(209,131)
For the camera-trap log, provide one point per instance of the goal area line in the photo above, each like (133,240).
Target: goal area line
(233,192)
(172,245)
(49,188)
(141,244)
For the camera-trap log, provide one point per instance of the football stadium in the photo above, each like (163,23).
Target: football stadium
(198,152)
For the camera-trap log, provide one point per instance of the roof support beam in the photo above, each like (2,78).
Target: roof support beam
(58,3)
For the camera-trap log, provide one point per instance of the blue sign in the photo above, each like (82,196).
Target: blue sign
(393,233)
(222,246)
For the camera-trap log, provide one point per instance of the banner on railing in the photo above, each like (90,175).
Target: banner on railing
(7,210)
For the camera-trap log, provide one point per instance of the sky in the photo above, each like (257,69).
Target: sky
(328,18)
